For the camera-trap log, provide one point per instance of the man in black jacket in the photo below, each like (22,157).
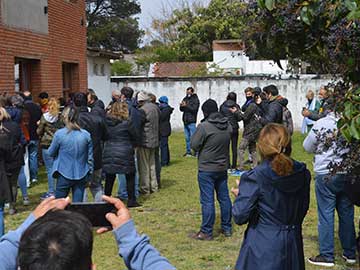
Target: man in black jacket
(96,126)
(272,109)
(190,107)
(165,129)
(95,104)
(211,140)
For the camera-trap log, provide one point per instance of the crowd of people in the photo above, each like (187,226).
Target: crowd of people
(83,142)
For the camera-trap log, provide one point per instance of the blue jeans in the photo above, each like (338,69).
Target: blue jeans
(189,130)
(95,186)
(164,151)
(48,161)
(122,190)
(33,159)
(330,196)
(208,183)
(64,185)
(22,182)
(2,225)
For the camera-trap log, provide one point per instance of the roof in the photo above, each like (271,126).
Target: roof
(177,68)
(228,45)
(97,52)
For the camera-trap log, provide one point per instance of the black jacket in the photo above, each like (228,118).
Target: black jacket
(252,125)
(272,112)
(5,153)
(95,125)
(211,140)
(191,109)
(165,114)
(98,108)
(16,159)
(35,115)
(224,109)
(118,155)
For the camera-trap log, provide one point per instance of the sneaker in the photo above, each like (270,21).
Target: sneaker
(237,173)
(226,233)
(321,261)
(230,171)
(34,180)
(201,236)
(349,260)
(26,201)
(46,195)
(186,154)
(12,211)
(133,204)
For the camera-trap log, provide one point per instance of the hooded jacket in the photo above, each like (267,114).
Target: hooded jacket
(274,207)
(191,109)
(98,108)
(225,110)
(49,124)
(252,125)
(272,112)
(165,114)
(211,140)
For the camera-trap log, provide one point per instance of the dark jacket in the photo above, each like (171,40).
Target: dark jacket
(252,125)
(16,160)
(211,140)
(325,108)
(118,155)
(35,115)
(151,123)
(15,113)
(165,114)
(98,108)
(95,125)
(137,118)
(191,109)
(287,116)
(274,208)
(224,109)
(272,112)
(48,126)
(5,154)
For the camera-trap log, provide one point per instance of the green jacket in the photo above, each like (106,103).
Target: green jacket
(49,124)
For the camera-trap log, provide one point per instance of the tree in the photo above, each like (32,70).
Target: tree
(121,68)
(111,25)
(324,33)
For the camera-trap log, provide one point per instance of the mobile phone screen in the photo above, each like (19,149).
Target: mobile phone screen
(95,212)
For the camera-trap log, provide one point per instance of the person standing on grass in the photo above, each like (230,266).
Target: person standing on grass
(313,105)
(50,122)
(225,109)
(118,155)
(165,129)
(190,107)
(72,151)
(322,140)
(273,199)
(211,140)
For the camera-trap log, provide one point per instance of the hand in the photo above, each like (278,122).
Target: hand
(50,204)
(233,109)
(120,218)
(235,191)
(182,104)
(306,113)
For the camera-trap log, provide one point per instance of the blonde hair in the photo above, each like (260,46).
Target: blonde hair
(70,116)
(275,145)
(119,110)
(53,107)
(4,114)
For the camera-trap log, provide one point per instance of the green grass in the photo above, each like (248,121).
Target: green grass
(171,214)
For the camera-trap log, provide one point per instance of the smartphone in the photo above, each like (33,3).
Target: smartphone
(95,212)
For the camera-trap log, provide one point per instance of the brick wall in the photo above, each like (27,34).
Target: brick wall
(66,42)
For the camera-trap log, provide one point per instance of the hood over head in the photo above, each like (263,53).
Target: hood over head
(230,103)
(218,120)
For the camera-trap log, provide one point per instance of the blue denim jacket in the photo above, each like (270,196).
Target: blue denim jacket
(72,153)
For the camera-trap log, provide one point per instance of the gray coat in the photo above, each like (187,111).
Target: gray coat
(211,139)
(150,134)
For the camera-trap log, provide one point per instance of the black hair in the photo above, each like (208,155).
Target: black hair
(92,94)
(80,99)
(128,92)
(60,240)
(190,88)
(43,95)
(231,96)
(271,89)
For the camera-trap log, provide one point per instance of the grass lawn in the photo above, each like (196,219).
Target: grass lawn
(171,214)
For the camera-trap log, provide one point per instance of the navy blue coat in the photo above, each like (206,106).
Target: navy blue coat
(274,208)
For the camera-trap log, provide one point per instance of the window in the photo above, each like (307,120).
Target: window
(96,69)
(24,72)
(102,70)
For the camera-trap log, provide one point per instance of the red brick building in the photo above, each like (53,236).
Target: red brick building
(43,46)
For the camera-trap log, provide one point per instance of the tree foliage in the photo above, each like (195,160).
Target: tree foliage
(121,68)
(324,33)
(112,25)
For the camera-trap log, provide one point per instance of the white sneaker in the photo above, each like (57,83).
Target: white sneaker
(34,180)
(348,260)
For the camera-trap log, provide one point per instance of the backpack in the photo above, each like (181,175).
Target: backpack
(287,120)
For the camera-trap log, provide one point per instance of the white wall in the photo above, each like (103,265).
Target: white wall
(218,88)
(100,84)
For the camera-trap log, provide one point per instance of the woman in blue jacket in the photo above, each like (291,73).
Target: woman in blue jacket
(273,199)
(72,151)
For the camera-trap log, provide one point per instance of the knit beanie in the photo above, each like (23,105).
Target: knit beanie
(164,99)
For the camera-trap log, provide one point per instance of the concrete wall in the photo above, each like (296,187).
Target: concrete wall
(218,88)
(99,83)
(25,14)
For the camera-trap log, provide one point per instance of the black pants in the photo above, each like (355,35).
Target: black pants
(164,151)
(130,185)
(234,144)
